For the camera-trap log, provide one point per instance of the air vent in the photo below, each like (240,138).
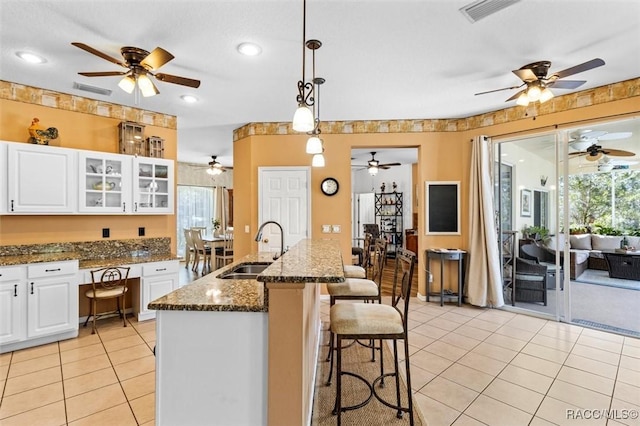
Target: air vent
(483,8)
(92,89)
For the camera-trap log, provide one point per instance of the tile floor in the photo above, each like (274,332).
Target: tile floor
(470,366)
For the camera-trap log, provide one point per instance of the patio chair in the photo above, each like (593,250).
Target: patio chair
(530,284)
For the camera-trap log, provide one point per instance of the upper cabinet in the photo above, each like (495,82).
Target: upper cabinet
(41,179)
(153,185)
(105,183)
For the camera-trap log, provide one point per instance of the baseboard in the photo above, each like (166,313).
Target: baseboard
(421,297)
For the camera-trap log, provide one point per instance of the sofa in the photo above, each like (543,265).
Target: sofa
(586,250)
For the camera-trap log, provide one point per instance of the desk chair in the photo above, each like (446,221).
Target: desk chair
(378,322)
(107,283)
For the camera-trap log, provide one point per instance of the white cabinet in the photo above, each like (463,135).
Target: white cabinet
(12,304)
(38,304)
(104,183)
(153,185)
(3,178)
(41,179)
(158,279)
(52,299)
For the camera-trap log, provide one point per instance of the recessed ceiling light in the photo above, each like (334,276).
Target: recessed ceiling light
(189,99)
(249,49)
(32,58)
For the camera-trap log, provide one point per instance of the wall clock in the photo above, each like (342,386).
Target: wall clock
(329,186)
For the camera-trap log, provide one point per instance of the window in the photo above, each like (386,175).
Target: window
(195,208)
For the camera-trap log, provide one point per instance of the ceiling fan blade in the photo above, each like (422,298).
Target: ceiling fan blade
(98,53)
(618,152)
(516,95)
(594,63)
(526,75)
(387,165)
(566,84)
(103,74)
(178,80)
(157,58)
(614,136)
(577,154)
(499,90)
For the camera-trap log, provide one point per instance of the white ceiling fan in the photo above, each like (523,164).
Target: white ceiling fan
(583,139)
(607,164)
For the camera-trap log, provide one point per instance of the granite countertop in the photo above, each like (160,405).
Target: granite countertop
(210,293)
(84,263)
(309,261)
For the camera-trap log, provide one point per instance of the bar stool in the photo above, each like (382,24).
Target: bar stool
(360,271)
(377,322)
(361,290)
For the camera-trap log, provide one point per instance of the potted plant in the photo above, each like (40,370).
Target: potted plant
(216,226)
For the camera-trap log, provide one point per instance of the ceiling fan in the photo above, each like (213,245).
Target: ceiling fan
(140,64)
(374,165)
(587,143)
(534,77)
(215,167)
(606,164)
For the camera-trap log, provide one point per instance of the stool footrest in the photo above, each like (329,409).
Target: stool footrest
(361,404)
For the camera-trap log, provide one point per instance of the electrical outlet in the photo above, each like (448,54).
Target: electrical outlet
(335,229)
(105,232)
(326,229)
(141,231)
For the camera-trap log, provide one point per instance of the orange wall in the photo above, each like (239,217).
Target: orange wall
(78,131)
(442,156)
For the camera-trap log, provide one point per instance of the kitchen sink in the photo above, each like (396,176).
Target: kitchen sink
(244,271)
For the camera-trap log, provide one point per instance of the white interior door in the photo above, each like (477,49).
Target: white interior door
(284,197)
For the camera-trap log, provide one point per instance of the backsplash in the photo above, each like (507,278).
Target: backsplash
(103,249)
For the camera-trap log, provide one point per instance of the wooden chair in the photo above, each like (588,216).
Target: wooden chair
(360,290)
(202,251)
(359,321)
(189,247)
(225,255)
(107,283)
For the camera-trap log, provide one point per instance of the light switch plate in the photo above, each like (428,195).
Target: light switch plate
(326,229)
(246,229)
(336,229)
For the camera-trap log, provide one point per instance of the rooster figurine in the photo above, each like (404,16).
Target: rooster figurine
(39,135)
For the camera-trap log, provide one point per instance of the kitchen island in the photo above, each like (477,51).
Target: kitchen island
(243,351)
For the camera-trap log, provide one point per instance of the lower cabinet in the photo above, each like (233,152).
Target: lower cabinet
(158,279)
(39,304)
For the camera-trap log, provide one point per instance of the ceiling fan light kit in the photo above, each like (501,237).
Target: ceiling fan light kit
(140,65)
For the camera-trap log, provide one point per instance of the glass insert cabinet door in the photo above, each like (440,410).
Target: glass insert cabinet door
(105,183)
(153,186)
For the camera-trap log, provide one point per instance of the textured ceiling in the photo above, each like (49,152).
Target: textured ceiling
(381,59)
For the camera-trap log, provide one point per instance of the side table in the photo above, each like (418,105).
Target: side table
(446,255)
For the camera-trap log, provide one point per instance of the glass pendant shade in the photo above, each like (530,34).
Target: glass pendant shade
(523,99)
(545,95)
(127,84)
(146,86)
(314,145)
(303,120)
(533,93)
(317,161)
(373,170)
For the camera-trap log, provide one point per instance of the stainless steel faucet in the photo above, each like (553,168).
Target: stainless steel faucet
(259,236)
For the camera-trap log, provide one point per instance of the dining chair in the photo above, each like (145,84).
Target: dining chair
(189,248)
(202,251)
(359,321)
(225,255)
(108,283)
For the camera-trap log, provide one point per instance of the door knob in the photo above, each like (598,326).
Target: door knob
(266,240)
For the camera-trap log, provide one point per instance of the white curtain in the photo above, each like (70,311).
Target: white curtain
(484,281)
(221,199)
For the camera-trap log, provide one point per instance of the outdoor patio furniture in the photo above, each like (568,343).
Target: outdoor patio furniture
(530,284)
(624,266)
